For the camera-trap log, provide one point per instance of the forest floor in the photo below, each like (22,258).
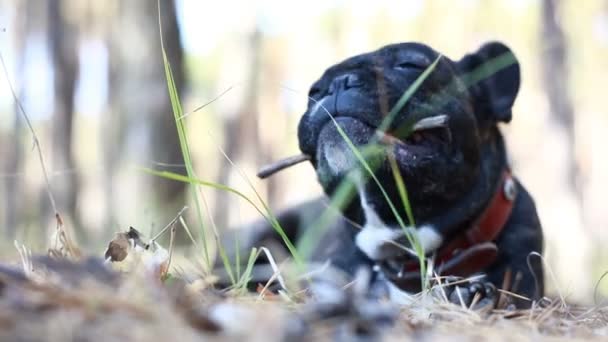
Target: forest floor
(64,296)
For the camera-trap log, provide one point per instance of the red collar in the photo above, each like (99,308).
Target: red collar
(490,223)
(473,250)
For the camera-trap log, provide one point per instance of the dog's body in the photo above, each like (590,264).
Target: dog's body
(456,171)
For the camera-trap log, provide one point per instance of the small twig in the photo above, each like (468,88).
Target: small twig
(460,299)
(596,287)
(513,294)
(269,170)
(276,274)
(441,287)
(169,225)
(171,240)
(35,141)
(208,103)
(274,266)
(460,281)
(506,285)
(26,259)
(549,269)
(546,313)
(185,226)
(476,299)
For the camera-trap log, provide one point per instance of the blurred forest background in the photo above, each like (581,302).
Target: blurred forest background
(90,76)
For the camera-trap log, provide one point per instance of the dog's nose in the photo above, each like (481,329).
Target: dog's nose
(345,82)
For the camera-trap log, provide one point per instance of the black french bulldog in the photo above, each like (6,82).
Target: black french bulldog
(468,209)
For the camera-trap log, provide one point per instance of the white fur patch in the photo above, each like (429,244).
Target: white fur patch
(337,160)
(371,217)
(371,239)
(429,238)
(376,233)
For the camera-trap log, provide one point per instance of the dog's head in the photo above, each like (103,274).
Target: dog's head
(437,138)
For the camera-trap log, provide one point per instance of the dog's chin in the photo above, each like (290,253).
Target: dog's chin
(335,155)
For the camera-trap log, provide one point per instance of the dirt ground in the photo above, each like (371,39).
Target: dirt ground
(58,299)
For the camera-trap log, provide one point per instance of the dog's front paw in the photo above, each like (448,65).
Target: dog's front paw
(474,294)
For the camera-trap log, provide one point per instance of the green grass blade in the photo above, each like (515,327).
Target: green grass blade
(489,68)
(244,279)
(407,94)
(267,215)
(182,136)
(237,262)
(412,239)
(276,225)
(402,189)
(408,209)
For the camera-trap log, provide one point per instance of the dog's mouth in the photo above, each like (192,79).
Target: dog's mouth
(412,144)
(424,135)
(429,132)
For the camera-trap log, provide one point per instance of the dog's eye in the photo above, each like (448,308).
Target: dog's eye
(409,65)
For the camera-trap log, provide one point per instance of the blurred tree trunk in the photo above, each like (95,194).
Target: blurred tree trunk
(139,101)
(63,33)
(241,131)
(566,229)
(13,148)
(557,82)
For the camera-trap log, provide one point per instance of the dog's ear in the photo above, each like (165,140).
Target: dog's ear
(492,77)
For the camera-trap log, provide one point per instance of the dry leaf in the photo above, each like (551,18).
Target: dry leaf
(123,242)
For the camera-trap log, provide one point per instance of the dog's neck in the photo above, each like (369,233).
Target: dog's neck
(443,227)
(493,159)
